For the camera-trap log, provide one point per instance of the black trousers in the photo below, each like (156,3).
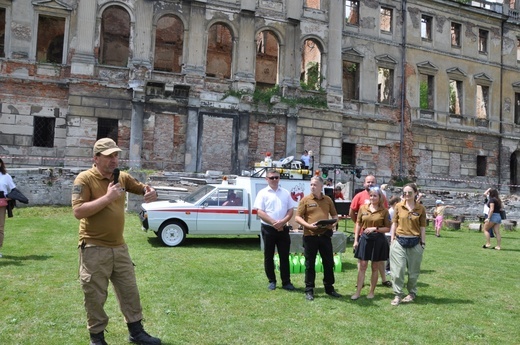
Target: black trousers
(281,242)
(312,245)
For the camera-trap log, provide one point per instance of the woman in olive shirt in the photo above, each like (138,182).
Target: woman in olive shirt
(370,244)
(407,244)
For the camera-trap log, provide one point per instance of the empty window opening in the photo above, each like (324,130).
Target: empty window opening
(169,40)
(313,4)
(219,52)
(385,85)
(481,165)
(348,153)
(518,49)
(482,41)
(115,37)
(456,97)
(386,20)
(426,27)
(351,72)
(310,73)
(2,32)
(456,29)
(426,92)
(107,128)
(49,45)
(517,108)
(43,135)
(352,12)
(266,70)
(482,101)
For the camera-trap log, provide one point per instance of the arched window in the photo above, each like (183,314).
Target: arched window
(169,39)
(310,75)
(115,37)
(219,54)
(267,49)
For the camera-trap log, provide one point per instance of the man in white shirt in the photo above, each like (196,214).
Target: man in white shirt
(274,206)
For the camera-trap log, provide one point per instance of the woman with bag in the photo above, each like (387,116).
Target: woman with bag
(407,244)
(493,220)
(370,244)
(6,185)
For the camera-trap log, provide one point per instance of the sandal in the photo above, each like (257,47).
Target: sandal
(485,246)
(408,298)
(396,300)
(496,248)
(387,283)
(369,296)
(354,297)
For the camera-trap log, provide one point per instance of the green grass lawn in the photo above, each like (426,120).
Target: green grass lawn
(214,291)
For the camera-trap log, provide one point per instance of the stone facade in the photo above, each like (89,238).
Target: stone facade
(421,90)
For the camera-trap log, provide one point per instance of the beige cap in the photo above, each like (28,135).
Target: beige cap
(105,146)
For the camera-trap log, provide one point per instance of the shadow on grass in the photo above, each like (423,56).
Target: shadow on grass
(12,260)
(240,243)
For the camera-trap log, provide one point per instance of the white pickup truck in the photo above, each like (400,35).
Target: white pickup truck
(213,209)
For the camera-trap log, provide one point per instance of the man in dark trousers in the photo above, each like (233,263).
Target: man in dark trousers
(98,201)
(317,238)
(274,206)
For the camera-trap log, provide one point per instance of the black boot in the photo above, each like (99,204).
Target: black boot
(97,339)
(139,336)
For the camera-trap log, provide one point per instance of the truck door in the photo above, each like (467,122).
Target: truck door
(224,212)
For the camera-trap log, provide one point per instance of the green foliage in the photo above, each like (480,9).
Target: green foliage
(423,99)
(400,181)
(214,291)
(314,78)
(264,96)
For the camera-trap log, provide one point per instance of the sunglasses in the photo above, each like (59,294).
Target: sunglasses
(273,177)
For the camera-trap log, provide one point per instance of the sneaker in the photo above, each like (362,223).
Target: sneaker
(271,286)
(289,287)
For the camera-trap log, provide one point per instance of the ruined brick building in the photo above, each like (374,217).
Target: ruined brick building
(422,89)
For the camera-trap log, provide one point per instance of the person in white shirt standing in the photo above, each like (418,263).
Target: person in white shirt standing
(275,208)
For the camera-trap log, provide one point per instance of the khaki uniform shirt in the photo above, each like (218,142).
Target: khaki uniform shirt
(312,209)
(105,228)
(409,223)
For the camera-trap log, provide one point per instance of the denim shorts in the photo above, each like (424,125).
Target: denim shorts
(495,218)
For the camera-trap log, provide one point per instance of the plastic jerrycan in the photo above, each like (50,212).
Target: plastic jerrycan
(277,262)
(295,263)
(318,265)
(337,262)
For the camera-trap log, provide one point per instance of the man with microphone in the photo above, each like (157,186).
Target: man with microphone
(98,201)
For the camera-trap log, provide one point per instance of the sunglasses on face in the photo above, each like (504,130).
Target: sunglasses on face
(273,177)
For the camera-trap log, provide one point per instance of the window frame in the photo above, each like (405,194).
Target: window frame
(390,15)
(355,5)
(49,12)
(483,47)
(458,43)
(427,21)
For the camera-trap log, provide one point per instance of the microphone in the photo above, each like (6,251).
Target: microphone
(116,175)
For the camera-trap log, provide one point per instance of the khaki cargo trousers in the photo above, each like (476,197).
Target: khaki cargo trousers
(99,265)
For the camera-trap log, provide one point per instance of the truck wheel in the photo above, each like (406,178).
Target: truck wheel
(172,233)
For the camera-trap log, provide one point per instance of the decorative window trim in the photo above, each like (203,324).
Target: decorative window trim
(426,67)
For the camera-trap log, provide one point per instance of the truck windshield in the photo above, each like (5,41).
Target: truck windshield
(198,194)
